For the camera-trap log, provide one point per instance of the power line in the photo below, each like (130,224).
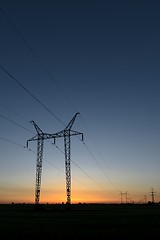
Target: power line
(94,158)
(17,124)
(99,165)
(81,169)
(40,62)
(37,58)
(51,78)
(9,109)
(60,170)
(10,141)
(31,94)
(92,139)
(29,149)
(52,115)
(13,142)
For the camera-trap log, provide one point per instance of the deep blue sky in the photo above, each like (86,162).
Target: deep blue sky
(99,58)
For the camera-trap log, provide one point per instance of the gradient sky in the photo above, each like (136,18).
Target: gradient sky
(99,58)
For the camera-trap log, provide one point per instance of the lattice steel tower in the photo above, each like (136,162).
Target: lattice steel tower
(66,133)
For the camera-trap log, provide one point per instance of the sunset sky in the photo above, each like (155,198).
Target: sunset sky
(98,58)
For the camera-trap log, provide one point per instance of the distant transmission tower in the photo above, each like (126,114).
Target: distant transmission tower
(152,194)
(66,133)
(121,197)
(126,196)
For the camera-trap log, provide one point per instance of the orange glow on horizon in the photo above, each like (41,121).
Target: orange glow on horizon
(58,195)
(50,198)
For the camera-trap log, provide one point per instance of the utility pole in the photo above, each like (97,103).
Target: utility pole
(40,137)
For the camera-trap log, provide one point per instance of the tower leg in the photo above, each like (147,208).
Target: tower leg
(67,166)
(38,169)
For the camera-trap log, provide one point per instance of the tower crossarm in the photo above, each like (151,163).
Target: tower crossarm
(35,138)
(54,135)
(46,136)
(72,132)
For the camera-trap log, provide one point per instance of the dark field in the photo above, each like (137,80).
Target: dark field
(83,221)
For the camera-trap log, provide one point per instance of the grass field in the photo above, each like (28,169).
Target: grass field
(103,221)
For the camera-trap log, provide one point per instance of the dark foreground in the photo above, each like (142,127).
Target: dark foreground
(82,221)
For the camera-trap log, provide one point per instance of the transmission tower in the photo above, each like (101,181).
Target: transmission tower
(152,194)
(40,137)
(126,196)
